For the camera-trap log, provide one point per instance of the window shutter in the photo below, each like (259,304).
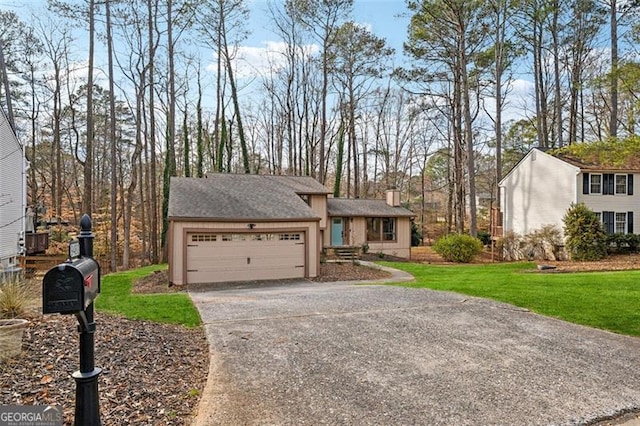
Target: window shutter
(629,222)
(608,218)
(629,184)
(585,183)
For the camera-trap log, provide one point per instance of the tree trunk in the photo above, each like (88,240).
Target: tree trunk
(199,135)
(236,103)
(354,144)
(339,156)
(468,132)
(113,240)
(186,147)
(87,199)
(556,74)
(613,120)
(152,136)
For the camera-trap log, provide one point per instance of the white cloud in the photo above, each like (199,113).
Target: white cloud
(252,62)
(520,88)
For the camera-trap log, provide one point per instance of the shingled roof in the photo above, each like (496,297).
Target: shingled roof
(350,207)
(606,155)
(243,197)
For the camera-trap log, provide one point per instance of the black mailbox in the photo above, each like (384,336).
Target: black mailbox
(71,286)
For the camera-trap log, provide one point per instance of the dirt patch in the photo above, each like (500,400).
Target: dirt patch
(617,262)
(426,254)
(348,271)
(158,282)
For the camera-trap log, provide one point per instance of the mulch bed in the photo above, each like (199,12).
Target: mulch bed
(158,282)
(152,374)
(348,271)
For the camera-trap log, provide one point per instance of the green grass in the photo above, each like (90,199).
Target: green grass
(115,297)
(607,300)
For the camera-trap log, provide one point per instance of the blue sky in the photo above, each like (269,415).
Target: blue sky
(385,18)
(382,17)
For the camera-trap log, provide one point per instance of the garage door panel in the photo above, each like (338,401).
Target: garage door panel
(239,257)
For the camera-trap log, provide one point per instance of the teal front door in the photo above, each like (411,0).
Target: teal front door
(336,231)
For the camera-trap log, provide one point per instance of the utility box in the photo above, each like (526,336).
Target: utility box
(70,287)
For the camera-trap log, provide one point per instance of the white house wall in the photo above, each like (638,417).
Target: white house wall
(12,194)
(538,192)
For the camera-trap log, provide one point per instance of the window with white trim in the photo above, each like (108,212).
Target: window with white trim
(595,186)
(621,184)
(621,223)
(607,183)
(617,222)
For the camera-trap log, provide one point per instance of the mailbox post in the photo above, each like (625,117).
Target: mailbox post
(71,288)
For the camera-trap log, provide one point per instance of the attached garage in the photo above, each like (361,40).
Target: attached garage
(254,256)
(230,227)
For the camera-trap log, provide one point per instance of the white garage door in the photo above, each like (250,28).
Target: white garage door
(218,257)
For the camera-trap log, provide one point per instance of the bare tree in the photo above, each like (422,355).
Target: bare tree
(450,35)
(357,58)
(112,143)
(322,18)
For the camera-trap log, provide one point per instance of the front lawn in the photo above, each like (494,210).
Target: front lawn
(116,297)
(607,300)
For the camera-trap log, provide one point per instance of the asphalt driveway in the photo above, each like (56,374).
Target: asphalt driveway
(339,353)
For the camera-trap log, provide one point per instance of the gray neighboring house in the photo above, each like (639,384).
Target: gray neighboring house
(13,197)
(237,227)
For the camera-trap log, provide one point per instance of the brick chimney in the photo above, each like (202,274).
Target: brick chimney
(393,197)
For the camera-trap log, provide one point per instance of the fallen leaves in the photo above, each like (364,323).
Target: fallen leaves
(149,374)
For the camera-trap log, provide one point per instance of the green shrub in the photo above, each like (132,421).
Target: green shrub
(416,236)
(484,237)
(586,239)
(458,248)
(623,243)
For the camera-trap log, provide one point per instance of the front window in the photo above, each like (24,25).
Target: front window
(596,184)
(621,184)
(381,229)
(621,223)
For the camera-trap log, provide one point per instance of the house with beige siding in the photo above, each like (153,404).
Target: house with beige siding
(540,189)
(382,226)
(239,227)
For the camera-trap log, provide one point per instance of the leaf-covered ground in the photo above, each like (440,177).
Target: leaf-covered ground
(152,374)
